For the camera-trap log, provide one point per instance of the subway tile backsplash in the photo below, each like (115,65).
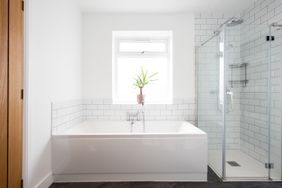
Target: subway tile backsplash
(69,113)
(66,114)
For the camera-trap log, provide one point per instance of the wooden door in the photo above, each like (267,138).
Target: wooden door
(11,77)
(3,92)
(15,92)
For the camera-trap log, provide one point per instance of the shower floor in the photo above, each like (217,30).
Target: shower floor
(248,166)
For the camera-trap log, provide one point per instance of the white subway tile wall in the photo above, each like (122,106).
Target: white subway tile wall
(254,51)
(105,110)
(70,113)
(66,114)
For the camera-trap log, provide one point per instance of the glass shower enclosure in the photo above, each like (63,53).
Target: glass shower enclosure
(239,76)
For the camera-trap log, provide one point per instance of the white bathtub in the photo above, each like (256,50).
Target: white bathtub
(111,151)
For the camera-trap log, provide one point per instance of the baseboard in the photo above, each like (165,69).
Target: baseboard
(45,182)
(176,177)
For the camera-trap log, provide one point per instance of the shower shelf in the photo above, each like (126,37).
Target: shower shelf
(242,66)
(238,65)
(238,81)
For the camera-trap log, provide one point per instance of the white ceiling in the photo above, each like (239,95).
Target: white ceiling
(164,6)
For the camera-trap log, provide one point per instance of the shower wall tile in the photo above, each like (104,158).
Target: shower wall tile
(254,105)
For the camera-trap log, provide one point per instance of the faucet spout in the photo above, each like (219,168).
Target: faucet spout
(133,117)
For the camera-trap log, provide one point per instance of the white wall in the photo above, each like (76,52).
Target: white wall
(97,49)
(53,72)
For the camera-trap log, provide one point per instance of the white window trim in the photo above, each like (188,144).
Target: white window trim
(166,37)
(146,54)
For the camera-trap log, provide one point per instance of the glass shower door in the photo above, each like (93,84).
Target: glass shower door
(275,94)
(210,104)
(246,120)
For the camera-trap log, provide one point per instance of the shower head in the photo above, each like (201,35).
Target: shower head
(234,22)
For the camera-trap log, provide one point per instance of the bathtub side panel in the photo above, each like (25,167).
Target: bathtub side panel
(148,155)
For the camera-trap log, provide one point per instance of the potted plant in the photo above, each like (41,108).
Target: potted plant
(141,80)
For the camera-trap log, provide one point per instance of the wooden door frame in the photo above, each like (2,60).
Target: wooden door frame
(11,85)
(15,103)
(4,29)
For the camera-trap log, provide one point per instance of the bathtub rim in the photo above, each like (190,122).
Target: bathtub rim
(199,133)
(129,136)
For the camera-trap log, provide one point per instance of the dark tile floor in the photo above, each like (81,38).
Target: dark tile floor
(213,182)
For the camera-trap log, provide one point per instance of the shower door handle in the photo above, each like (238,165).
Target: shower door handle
(229,94)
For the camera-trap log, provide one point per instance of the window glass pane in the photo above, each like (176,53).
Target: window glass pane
(128,68)
(142,47)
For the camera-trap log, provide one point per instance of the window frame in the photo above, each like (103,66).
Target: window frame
(142,36)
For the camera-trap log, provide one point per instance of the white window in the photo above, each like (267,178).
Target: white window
(150,50)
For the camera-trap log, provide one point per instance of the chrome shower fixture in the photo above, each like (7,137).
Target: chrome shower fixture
(234,22)
(275,25)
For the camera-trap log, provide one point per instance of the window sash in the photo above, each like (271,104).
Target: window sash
(165,41)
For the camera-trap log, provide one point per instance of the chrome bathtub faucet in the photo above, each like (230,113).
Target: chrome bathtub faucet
(133,117)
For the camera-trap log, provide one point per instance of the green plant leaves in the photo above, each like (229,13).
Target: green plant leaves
(143,79)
